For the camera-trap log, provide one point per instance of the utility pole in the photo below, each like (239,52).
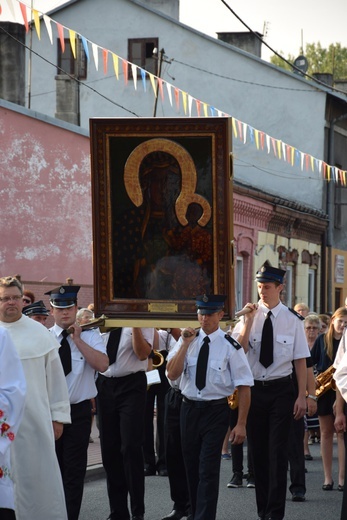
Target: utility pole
(161,59)
(30,54)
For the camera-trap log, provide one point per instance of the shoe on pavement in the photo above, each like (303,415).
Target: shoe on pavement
(175,515)
(250,481)
(225,456)
(298,496)
(150,472)
(236,481)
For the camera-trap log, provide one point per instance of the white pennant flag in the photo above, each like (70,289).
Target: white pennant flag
(134,73)
(190,102)
(96,55)
(47,21)
(169,93)
(268,142)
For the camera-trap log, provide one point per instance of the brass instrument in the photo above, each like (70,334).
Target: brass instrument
(233,400)
(158,359)
(325,381)
(92,324)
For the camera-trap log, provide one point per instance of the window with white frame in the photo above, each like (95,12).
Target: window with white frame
(311,289)
(289,285)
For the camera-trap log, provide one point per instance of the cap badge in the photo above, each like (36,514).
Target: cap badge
(61,290)
(205,298)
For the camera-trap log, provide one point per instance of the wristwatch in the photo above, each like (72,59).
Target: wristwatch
(314,397)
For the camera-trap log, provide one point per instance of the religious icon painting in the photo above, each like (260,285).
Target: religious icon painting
(162,215)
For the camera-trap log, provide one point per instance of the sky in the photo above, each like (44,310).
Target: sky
(286,24)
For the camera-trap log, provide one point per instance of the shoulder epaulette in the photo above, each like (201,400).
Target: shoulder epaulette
(296,314)
(233,341)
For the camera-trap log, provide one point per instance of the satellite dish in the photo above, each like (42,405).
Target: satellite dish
(300,63)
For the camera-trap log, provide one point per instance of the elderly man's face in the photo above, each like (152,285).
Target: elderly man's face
(11,304)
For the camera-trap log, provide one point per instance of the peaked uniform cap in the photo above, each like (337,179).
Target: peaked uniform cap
(64,296)
(209,304)
(267,273)
(36,309)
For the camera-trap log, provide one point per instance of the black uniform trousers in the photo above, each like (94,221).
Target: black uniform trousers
(155,392)
(296,456)
(72,454)
(121,406)
(173,451)
(268,425)
(203,429)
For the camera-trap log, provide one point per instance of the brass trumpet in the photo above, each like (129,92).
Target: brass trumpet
(158,359)
(325,381)
(92,324)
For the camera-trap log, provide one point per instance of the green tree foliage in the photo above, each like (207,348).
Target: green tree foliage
(329,61)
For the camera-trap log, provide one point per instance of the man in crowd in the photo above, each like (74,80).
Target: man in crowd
(39,491)
(211,365)
(273,337)
(121,403)
(37,311)
(81,353)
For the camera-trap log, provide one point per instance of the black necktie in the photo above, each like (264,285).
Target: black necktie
(113,344)
(267,342)
(65,353)
(201,367)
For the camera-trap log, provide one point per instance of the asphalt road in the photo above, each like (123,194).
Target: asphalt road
(238,504)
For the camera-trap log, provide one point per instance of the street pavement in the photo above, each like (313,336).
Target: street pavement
(233,504)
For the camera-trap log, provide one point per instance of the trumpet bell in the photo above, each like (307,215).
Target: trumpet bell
(158,359)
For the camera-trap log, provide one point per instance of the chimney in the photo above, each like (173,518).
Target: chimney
(12,63)
(247,41)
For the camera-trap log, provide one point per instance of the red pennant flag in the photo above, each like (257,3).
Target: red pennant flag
(177,98)
(262,140)
(307,159)
(198,106)
(105,56)
(125,71)
(24,14)
(288,149)
(61,36)
(160,83)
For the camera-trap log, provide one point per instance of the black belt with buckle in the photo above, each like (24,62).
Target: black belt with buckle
(205,404)
(273,382)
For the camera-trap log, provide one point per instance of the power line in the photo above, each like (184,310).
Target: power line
(67,74)
(279,55)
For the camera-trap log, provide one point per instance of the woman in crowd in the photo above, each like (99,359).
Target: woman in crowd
(312,326)
(323,354)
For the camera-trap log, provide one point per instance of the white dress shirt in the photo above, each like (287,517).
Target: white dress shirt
(289,342)
(81,380)
(127,362)
(227,368)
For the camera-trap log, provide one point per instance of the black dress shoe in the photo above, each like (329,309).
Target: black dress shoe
(175,515)
(137,517)
(298,496)
(150,472)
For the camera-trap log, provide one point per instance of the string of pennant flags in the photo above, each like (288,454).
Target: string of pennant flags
(242,131)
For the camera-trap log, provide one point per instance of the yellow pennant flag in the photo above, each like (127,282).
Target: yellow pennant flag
(72,35)
(184,98)
(151,77)
(37,23)
(115,65)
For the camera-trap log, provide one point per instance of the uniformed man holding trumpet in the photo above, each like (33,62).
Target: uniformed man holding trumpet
(212,365)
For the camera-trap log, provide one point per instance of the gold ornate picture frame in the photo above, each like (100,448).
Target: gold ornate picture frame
(162,216)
